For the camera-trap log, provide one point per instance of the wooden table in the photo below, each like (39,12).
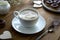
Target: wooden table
(49,17)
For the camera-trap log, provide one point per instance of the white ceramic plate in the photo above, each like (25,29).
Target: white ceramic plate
(40,25)
(49,8)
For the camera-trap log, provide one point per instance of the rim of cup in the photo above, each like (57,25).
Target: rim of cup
(32,9)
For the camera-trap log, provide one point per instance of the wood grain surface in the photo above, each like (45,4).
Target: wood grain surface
(49,17)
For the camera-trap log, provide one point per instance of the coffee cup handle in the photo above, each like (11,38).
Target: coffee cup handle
(16,13)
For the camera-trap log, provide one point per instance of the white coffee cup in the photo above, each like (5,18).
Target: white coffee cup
(28,16)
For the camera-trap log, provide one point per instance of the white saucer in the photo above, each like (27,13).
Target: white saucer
(40,25)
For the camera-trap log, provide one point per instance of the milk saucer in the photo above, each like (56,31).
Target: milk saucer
(40,25)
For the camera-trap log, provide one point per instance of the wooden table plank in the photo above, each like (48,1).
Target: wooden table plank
(49,17)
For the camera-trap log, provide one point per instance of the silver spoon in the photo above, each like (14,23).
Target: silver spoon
(50,29)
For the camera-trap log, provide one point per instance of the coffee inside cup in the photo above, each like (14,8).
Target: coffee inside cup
(28,15)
